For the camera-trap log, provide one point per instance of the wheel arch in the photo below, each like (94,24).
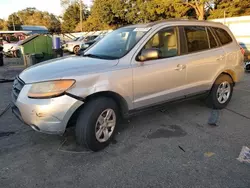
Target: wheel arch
(230,73)
(120,101)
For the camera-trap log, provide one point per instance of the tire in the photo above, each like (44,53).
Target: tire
(17,53)
(248,67)
(214,100)
(76,49)
(87,123)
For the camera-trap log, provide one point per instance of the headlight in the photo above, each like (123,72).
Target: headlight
(50,89)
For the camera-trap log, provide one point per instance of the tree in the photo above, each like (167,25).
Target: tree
(230,8)
(71,16)
(14,19)
(201,7)
(93,24)
(3,25)
(32,16)
(118,13)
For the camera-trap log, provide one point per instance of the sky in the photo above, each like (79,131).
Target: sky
(52,6)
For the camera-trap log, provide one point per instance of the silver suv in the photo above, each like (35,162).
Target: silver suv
(130,69)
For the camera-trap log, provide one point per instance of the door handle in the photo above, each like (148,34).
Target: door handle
(180,67)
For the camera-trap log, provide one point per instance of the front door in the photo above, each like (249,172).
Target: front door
(162,79)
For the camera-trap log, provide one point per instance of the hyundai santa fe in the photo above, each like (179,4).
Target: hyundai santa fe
(131,69)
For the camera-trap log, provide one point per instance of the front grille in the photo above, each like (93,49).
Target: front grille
(17,87)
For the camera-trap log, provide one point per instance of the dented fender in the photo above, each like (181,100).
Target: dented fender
(118,81)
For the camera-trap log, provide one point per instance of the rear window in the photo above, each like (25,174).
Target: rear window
(197,38)
(223,36)
(213,43)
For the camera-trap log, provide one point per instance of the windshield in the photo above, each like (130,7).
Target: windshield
(117,44)
(99,37)
(79,38)
(76,39)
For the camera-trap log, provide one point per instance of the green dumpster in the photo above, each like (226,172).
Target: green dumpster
(37,48)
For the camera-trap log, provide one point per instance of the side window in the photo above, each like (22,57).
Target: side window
(196,38)
(213,43)
(223,36)
(165,41)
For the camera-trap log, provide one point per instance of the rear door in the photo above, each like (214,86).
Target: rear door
(204,56)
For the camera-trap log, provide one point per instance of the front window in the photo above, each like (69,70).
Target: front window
(165,41)
(117,44)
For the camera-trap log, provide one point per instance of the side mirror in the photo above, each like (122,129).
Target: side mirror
(148,54)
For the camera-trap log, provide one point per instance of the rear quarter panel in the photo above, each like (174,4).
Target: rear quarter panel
(234,58)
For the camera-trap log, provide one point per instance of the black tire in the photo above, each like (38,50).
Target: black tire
(248,67)
(86,123)
(17,53)
(212,99)
(76,49)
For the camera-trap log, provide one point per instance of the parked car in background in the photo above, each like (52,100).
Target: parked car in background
(10,41)
(86,45)
(74,46)
(131,69)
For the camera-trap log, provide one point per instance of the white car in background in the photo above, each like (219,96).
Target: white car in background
(8,46)
(12,49)
(74,46)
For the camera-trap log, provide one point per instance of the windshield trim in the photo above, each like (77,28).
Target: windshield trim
(116,58)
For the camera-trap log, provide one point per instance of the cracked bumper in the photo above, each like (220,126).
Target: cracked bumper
(45,115)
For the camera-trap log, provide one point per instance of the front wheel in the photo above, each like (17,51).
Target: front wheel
(76,49)
(221,92)
(96,123)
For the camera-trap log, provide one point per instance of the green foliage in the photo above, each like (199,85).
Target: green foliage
(32,16)
(93,24)
(71,17)
(230,8)
(117,13)
(3,25)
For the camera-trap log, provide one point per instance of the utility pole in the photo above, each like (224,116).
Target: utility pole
(14,27)
(224,17)
(81,13)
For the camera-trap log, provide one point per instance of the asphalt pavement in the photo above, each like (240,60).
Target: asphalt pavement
(173,147)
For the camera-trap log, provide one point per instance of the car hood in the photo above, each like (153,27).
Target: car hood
(65,67)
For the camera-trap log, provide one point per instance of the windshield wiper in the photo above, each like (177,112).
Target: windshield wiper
(93,56)
(98,56)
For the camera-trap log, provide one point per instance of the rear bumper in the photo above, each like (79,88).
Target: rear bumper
(45,115)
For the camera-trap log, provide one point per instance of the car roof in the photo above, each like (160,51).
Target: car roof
(176,22)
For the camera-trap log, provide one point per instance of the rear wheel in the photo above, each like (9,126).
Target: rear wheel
(221,92)
(96,123)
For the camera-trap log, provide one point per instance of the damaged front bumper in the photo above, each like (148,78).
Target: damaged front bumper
(45,115)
